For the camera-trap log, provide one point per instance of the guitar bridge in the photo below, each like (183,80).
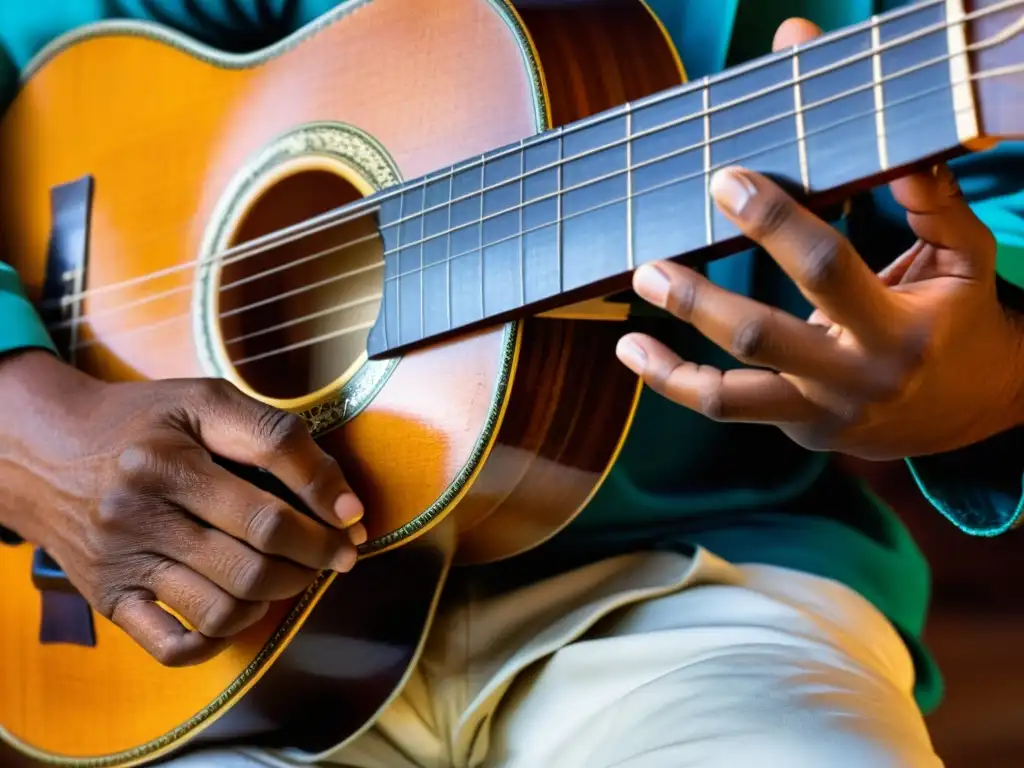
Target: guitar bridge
(66,616)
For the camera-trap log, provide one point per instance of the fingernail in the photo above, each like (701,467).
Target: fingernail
(631,355)
(348,509)
(343,561)
(651,284)
(732,190)
(357,533)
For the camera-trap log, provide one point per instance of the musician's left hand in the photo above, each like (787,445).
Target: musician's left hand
(918,359)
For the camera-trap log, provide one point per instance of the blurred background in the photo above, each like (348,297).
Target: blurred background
(976,630)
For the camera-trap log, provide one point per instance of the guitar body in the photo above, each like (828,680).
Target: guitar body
(502,435)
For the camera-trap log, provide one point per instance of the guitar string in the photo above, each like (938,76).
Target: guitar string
(997,72)
(350,329)
(635,106)
(371,204)
(64,324)
(477,222)
(802,110)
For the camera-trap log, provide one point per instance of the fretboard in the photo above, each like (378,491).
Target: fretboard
(568,215)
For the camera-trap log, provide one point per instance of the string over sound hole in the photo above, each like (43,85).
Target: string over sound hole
(295,312)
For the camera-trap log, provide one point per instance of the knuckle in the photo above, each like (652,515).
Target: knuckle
(266,527)
(146,468)
(659,373)
(215,615)
(250,576)
(335,543)
(682,297)
(118,509)
(775,214)
(138,460)
(748,340)
(821,262)
(108,601)
(212,391)
(279,431)
(711,402)
(168,653)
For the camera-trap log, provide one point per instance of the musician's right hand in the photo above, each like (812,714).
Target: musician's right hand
(118,484)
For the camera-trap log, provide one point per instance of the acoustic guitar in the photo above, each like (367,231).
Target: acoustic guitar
(412,223)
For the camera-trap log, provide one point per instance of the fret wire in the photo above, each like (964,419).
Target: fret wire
(480,238)
(732,134)
(629,189)
(423,298)
(760,151)
(801,142)
(522,244)
(618,112)
(371,204)
(876,76)
(743,69)
(709,229)
(960,66)
(558,213)
(448,253)
(994,72)
(398,283)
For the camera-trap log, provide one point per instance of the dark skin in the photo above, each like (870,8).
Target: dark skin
(117,481)
(918,359)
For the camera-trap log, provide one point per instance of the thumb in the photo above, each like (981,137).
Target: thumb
(939,215)
(234,426)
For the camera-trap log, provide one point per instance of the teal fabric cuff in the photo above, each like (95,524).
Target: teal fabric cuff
(980,489)
(20,325)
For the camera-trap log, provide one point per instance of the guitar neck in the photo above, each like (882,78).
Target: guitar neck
(568,215)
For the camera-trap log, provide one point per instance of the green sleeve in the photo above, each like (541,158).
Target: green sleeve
(980,489)
(20,326)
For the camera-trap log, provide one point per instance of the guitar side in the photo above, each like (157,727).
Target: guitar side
(506,433)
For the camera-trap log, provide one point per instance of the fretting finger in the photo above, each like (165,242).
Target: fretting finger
(821,262)
(754,333)
(744,395)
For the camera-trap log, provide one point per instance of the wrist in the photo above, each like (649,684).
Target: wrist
(33,374)
(19,364)
(34,384)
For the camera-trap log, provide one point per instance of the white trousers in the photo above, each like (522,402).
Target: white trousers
(646,661)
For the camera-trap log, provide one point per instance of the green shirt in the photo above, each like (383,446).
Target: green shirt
(745,492)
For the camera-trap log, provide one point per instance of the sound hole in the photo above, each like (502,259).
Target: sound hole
(295,316)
